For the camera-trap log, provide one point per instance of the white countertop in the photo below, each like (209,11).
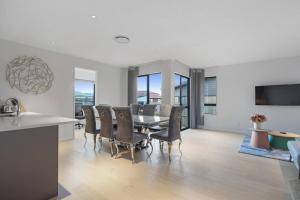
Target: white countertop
(31,120)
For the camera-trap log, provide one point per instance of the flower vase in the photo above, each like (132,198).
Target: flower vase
(256,125)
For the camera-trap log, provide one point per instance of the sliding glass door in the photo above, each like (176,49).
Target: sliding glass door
(149,89)
(182,97)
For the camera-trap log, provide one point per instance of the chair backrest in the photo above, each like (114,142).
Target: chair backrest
(174,123)
(105,115)
(90,120)
(135,109)
(78,109)
(149,110)
(164,110)
(125,124)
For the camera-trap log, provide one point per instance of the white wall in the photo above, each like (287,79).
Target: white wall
(59,100)
(85,74)
(236,95)
(163,67)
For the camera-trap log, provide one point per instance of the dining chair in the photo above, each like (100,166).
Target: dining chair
(125,132)
(79,115)
(90,124)
(164,111)
(173,132)
(135,109)
(149,110)
(107,130)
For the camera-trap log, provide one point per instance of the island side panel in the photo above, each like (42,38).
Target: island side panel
(29,163)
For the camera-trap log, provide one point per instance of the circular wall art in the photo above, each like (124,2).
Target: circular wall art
(29,75)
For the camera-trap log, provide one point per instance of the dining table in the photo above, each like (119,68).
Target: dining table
(148,121)
(145,121)
(142,120)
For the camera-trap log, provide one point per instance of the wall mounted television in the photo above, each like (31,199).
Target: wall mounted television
(280,95)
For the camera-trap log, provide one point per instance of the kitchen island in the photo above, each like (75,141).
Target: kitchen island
(29,156)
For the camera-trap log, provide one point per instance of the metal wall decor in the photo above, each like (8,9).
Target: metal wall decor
(29,75)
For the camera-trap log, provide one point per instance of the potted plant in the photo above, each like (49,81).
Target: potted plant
(257,120)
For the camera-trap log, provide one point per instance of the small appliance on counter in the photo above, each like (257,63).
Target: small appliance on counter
(10,108)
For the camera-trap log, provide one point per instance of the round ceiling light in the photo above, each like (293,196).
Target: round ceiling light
(122,39)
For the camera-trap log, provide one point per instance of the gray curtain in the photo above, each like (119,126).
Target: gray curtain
(133,73)
(197,98)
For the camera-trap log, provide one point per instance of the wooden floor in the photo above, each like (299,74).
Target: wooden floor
(210,168)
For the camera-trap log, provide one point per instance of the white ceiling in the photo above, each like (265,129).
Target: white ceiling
(196,32)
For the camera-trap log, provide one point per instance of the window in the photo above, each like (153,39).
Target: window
(182,97)
(85,92)
(142,93)
(149,89)
(210,95)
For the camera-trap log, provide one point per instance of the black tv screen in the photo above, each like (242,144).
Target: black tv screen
(281,95)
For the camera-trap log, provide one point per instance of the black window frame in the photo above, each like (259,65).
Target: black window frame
(211,104)
(148,84)
(188,96)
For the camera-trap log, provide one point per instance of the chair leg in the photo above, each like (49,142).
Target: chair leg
(132,152)
(111,148)
(149,142)
(100,141)
(85,139)
(116,145)
(95,141)
(290,159)
(161,145)
(179,146)
(169,150)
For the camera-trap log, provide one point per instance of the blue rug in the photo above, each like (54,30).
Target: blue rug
(272,153)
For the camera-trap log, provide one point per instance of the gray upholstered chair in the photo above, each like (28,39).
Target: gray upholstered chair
(79,115)
(90,123)
(135,109)
(107,130)
(164,111)
(149,110)
(173,132)
(125,132)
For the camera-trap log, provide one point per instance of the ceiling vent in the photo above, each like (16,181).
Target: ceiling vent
(122,39)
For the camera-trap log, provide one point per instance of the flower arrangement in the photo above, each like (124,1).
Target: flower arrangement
(258,118)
